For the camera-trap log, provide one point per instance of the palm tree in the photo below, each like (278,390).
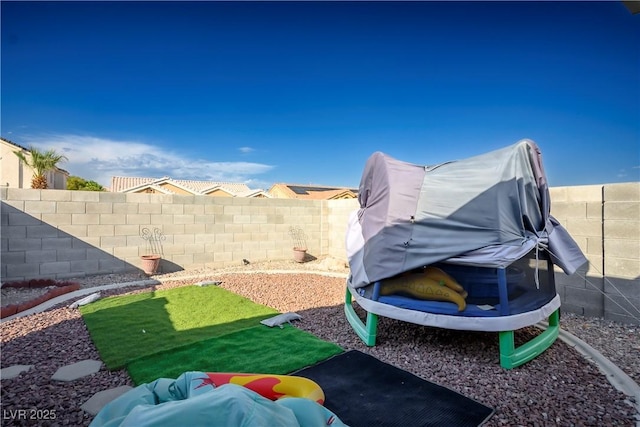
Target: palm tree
(41,162)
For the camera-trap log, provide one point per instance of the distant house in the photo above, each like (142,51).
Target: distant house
(15,174)
(166,185)
(312,192)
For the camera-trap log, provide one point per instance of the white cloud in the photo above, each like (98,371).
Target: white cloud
(246,150)
(99,159)
(633,175)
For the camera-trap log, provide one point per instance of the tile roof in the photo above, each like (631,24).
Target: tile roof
(13,143)
(311,192)
(254,193)
(127,183)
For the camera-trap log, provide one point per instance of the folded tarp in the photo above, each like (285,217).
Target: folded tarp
(488,210)
(191,400)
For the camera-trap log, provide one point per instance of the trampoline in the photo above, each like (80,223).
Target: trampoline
(485,222)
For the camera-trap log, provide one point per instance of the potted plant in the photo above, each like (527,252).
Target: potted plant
(299,244)
(150,263)
(153,250)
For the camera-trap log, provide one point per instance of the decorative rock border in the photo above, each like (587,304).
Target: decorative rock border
(61,288)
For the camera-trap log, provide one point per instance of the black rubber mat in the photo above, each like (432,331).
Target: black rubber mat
(364,391)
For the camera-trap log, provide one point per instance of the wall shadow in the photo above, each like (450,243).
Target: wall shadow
(167,266)
(31,248)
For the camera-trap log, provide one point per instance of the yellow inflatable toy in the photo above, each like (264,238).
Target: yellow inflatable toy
(434,284)
(444,279)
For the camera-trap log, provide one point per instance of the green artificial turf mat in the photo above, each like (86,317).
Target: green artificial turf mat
(256,350)
(128,327)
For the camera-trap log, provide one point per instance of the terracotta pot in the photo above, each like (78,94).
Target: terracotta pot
(299,254)
(150,264)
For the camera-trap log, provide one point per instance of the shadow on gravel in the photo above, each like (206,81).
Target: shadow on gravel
(559,387)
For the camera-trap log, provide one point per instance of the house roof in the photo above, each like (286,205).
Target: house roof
(254,193)
(312,192)
(127,184)
(26,150)
(14,144)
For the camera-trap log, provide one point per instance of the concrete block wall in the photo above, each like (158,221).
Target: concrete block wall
(579,210)
(336,220)
(605,221)
(621,247)
(63,234)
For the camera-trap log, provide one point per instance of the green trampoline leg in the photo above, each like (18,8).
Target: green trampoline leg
(368,332)
(511,357)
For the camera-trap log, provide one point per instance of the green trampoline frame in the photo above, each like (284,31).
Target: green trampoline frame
(510,355)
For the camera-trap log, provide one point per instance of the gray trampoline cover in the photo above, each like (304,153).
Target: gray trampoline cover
(487,210)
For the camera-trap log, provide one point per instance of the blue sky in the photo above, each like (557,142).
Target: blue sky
(304,92)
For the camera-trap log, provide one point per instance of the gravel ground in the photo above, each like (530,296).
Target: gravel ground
(558,388)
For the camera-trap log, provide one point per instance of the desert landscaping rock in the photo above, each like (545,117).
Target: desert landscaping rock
(77,370)
(560,387)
